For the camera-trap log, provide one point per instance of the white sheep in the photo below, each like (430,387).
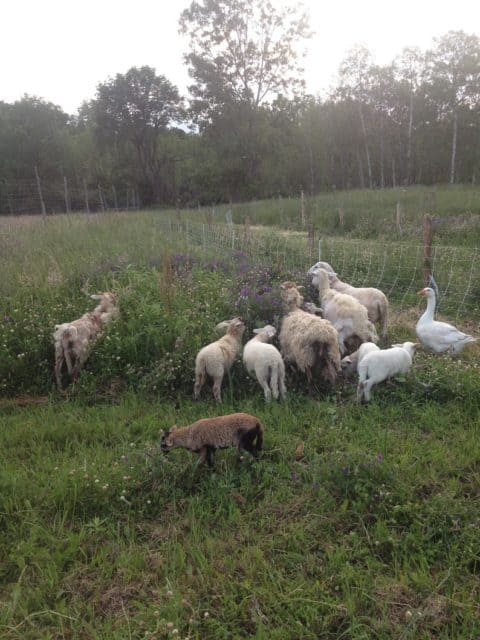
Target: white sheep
(73,340)
(346,313)
(266,362)
(216,358)
(350,363)
(308,342)
(373,299)
(377,366)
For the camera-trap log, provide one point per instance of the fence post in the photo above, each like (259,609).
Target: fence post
(115,202)
(233,239)
(311,240)
(398,217)
(302,207)
(246,228)
(39,188)
(85,194)
(102,206)
(65,193)
(319,249)
(427,249)
(341,217)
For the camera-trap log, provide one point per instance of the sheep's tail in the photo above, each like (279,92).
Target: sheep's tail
(259,438)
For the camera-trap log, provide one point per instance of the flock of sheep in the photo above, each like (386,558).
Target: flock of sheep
(344,338)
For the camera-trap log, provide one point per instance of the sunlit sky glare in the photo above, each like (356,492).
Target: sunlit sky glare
(60,50)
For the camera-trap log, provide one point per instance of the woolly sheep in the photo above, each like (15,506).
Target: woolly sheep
(377,366)
(308,342)
(266,362)
(347,315)
(216,358)
(374,300)
(350,363)
(73,340)
(204,436)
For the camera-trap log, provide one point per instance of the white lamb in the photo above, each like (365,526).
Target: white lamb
(216,358)
(73,340)
(348,315)
(373,299)
(350,363)
(379,365)
(266,362)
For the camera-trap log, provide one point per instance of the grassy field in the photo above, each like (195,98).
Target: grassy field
(355,523)
(371,214)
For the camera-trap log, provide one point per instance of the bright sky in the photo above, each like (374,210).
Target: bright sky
(60,50)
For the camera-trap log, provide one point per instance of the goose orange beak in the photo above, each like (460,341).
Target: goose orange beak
(421,292)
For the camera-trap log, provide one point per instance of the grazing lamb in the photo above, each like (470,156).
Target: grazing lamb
(216,358)
(347,315)
(73,340)
(374,300)
(350,363)
(204,436)
(379,365)
(266,362)
(308,342)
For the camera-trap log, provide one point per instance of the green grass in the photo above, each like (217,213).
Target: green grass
(370,214)
(370,532)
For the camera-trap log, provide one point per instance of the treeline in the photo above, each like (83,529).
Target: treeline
(248,130)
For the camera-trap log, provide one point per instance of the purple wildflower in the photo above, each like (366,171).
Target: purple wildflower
(124,458)
(379,457)
(7,319)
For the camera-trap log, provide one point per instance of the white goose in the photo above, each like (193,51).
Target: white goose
(439,336)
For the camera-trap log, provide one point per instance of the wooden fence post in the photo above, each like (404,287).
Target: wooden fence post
(398,217)
(102,205)
(427,249)
(39,188)
(341,217)
(302,207)
(65,193)
(311,240)
(115,201)
(85,194)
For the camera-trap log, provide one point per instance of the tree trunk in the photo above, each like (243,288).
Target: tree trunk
(454,147)
(367,150)
(409,140)
(394,175)
(382,159)
(360,170)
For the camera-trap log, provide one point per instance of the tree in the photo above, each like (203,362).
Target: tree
(242,51)
(137,108)
(453,77)
(355,79)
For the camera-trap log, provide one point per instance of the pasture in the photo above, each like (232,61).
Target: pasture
(356,522)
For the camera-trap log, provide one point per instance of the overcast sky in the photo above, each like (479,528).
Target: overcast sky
(61,50)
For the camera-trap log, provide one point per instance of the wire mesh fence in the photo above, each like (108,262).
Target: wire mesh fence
(397,268)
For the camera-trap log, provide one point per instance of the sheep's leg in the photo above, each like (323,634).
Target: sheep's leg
(274,382)
(210,456)
(79,362)
(197,387)
(217,388)
(68,360)
(367,389)
(360,392)
(283,388)
(203,453)
(59,360)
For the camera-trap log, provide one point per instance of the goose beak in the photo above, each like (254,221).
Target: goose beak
(421,292)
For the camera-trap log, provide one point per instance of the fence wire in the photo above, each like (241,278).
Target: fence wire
(394,267)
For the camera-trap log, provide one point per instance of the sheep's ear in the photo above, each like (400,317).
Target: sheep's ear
(346,360)
(223,325)
(257,330)
(237,322)
(397,345)
(96,296)
(300,286)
